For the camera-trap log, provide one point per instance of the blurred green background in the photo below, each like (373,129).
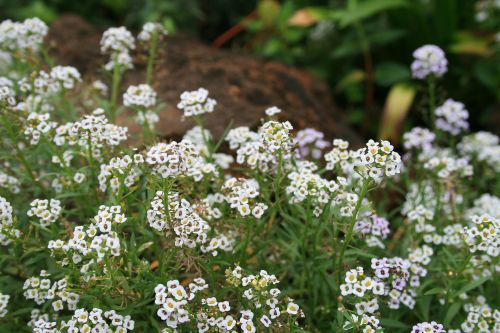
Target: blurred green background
(362,49)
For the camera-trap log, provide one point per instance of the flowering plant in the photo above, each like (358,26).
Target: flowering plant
(272,230)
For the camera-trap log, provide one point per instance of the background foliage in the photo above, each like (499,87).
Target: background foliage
(361,48)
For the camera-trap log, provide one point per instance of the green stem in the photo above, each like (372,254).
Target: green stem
(114,90)
(151,58)
(431,85)
(350,231)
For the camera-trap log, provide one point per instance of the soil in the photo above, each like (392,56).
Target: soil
(243,85)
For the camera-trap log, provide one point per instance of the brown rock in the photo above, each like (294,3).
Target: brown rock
(243,85)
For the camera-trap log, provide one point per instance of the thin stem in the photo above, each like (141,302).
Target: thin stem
(151,58)
(350,230)
(114,89)
(431,85)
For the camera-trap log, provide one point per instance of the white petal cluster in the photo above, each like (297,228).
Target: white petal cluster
(38,125)
(176,216)
(97,320)
(429,60)
(264,308)
(311,142)
(483,235)
(66,76)
(426,327)
(307,185)
(92,132)
(120,172)
(150,29)
(173,299)
(241,195)
(42,289)
(4,301)
(452,117)
(9,183)
(117,40)
(47,211)
(196,103)
(7,230)
(480,318)
(141,96)
(418,138)
(93,242)
(483,146)
(486,204)
(178,159)
(28,34)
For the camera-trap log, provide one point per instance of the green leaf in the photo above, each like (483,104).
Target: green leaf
(435,291)
(389,73)
(386,322)
(365,9)
(471,285)
(451,313)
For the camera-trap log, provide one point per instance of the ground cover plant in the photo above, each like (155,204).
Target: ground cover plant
(273,229)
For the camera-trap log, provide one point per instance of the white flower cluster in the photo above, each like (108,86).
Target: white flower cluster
(28,34)
(100,87)
(178,219)
(276,136)
(272,111)
(448,166)
(374,228)
(452,117)
(7,231)
(173,299)
(345,200)
(484,235)
(339,155)
(485,204)
(151,29)
(147,117)
(376,160)
(118,42)
(241,194)
(42,290)
(480,318)
(180,305)
(178,159)
(196,103)
(96,320)
(483,146)
(429,60)
(418,138)
(361,286)
(94,241)
(66,76)
(38,125)
(93,132)
(7,95)
(425,195)
(9,182)
(311,143)
(239,136)
(4,301)
(358,284)
(120,171)
(305,184)
(197,136)
(141,96)
(426,327)
(47,211)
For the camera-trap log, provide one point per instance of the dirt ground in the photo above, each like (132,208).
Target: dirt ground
(243,85)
